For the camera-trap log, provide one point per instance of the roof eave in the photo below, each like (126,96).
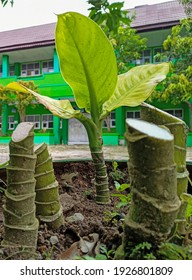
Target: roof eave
(28,46)
(156,26)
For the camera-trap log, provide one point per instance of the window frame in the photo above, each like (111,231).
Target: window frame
(112,121)
(134,114)
(47,122)
(50,69)
(11,122)
(174,112)
(36,122)
(30,69)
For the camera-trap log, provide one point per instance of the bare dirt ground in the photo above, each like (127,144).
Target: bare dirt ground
(89,228)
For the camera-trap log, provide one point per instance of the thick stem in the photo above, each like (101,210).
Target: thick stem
(152,172)
(101,176)
(179,130)
(21,225)
(48,207)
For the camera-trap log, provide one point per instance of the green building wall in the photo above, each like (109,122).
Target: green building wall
(53,85)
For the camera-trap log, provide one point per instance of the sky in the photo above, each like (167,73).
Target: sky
(27,13)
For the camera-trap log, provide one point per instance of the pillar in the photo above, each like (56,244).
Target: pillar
(56,62)
(120,121)
(56,130)
(5,66)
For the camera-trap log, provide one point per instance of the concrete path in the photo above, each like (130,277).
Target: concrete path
(75,153)
(81,152)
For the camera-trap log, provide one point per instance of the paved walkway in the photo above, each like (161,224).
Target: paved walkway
(81,152)
(75,152)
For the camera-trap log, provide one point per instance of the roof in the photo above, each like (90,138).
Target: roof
(29,37)
(156,16)
(147,17)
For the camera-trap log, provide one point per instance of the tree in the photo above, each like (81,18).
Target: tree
(116,24)
(128,47)
(18,99)
(88,65)
(187,6)
(5,2)
(177,87)
(108,16)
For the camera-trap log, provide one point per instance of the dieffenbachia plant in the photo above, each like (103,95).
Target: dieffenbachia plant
(88,65)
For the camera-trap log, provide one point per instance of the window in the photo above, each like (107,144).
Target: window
(35,119)
(11,70)
(133,114)
(47,66)
(176,113)
(47,121)
(0,71)
(11,123)
(30,69)
(110,121)
(145,57)
(158,57)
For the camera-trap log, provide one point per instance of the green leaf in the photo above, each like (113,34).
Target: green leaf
(135,86)
(60,108)
(87,60)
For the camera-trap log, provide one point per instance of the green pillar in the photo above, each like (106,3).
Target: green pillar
(65,124)
(17,69)
(120,121)
(56,62)
(56,130)
(4,115)
(5,66)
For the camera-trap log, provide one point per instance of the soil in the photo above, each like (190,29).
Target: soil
(96,227)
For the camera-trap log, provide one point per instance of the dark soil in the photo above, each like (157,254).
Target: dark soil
(99,223)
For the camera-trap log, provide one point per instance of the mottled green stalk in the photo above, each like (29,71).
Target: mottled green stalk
(96,147)
(152,170)
(48,208)
(20,223)
(179,130)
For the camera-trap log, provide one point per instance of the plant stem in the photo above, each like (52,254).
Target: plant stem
(96,148)
(152,171)
(179,130)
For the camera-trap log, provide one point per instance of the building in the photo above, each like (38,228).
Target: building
(29,54)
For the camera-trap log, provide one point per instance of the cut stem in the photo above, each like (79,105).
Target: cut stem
(152,170)
(179,130)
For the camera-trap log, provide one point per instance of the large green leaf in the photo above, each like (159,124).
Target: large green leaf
(135,86)
(87,60)
(60,108)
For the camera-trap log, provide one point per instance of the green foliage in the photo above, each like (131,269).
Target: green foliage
(5,2)
(141,251)
(128,46)
(17,98)
(187,6)
(124,199)
(108,16)
(188,199)
(116,174)
(116,23)
(177,87)
(171,251)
